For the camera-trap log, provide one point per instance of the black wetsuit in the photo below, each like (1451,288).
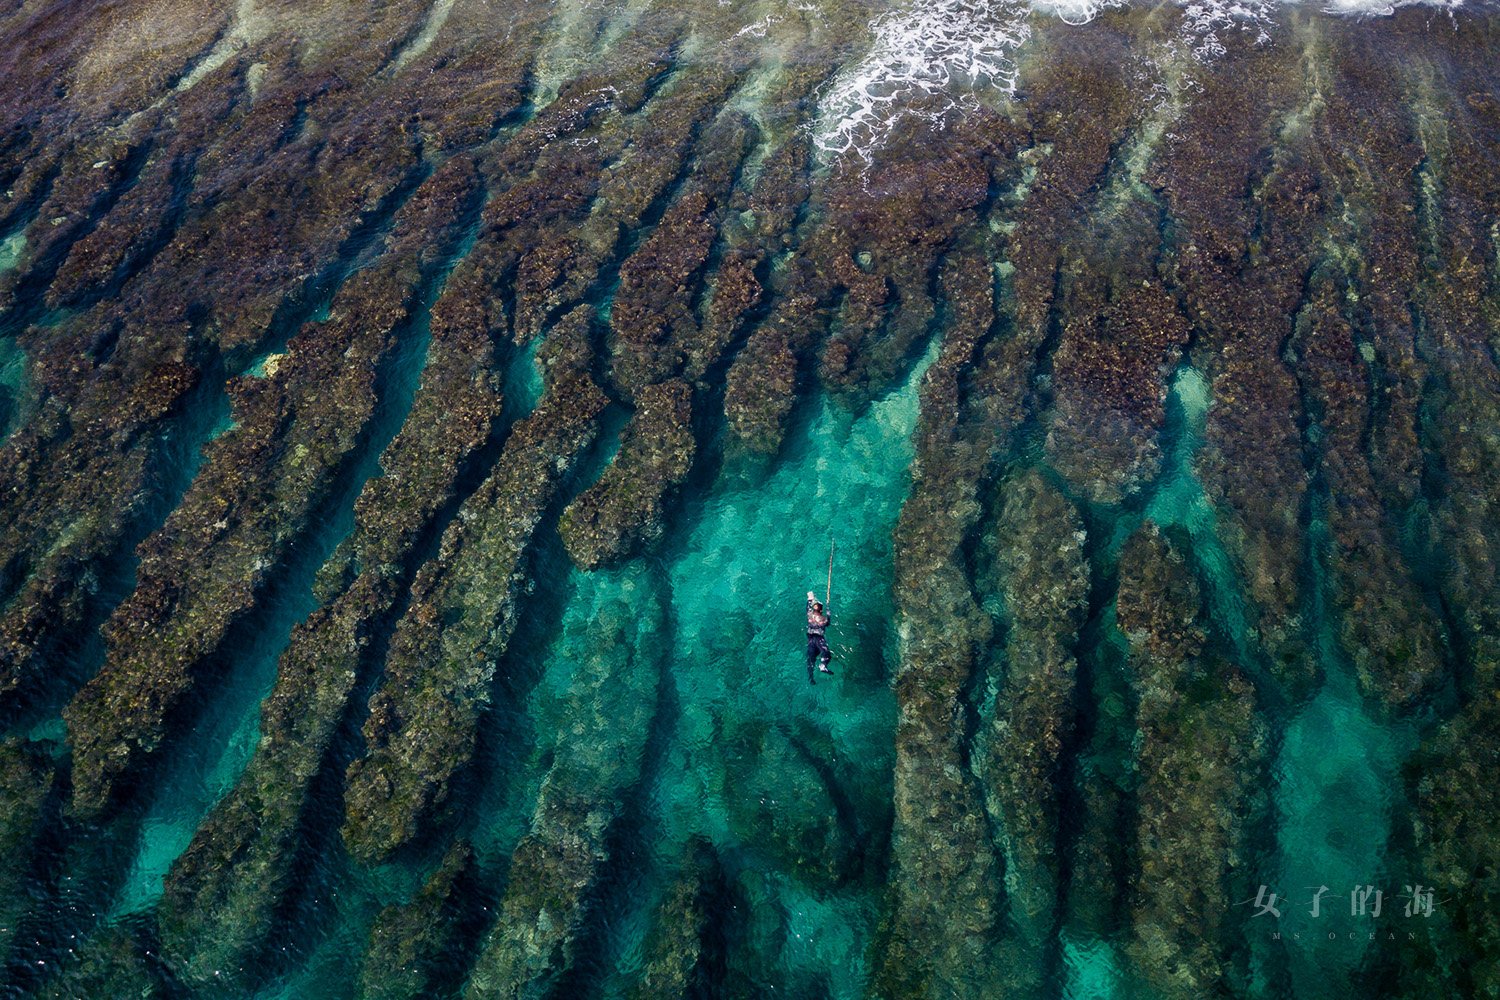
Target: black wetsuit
(817,642)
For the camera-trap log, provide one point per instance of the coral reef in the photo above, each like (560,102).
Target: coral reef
(1039,567)
(414,949)
(620,652)
(422,720)
(623,510)
(674,945)
(319,321)
(1200,780)
(27,778)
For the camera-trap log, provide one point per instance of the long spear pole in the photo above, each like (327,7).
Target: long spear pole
(829,592)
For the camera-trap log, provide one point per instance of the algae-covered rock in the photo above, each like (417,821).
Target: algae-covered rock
(617,652)
(1386,627)
(624,510)
(1040,571)
(1303,205)
(759,391)
(222,892)
(421,730)
(653,324)
(779,803)
(1453,838)
(26,790)
(416,949)
(945,882)
(1109,381)
(115,961)
(1200,773)
(1159,606)
(674,944)
(1201,792)
(300,427)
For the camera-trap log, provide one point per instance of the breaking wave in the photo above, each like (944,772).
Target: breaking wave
(950,52)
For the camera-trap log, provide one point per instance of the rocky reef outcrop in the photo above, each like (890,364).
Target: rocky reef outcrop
(1200,774)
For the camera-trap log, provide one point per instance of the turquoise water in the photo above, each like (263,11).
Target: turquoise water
(10,249)
(13,386)
(741,750)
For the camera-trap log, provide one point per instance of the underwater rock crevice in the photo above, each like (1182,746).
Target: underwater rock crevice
(82,197)
(423,720)
(293,783)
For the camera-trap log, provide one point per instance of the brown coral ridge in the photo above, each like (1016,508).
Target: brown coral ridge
(91,179)
(107,72)
(1453,819)
(638,167)
(1039,568)
(1200,768)
(424,718)
(653,323)
(673,949)
(863,269)
(620,650)
(27,797)
(213,244)
(1451,838)
(415,949)
(760,381)
(1374,181)
(1109,384)
(301,427)
(539,249)
(946,883)
(222,893)
(944,933)
(1386,628)
(1355,353)
(879,242)
(624,510)
(92,460)
(945,926)
(1239,264)
(124,369)
(1458,302)
(881,236)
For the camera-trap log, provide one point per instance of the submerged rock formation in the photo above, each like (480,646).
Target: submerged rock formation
(1200,776)
(417,950)
(1040,569)
(554,867)
(26,790)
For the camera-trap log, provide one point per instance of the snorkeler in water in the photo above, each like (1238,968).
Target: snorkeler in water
(817,642)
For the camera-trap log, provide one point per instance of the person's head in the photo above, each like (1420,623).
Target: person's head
(818,607)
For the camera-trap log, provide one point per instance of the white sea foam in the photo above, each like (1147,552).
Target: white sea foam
(950,49)
(1207,20)
(1384,7)
(953,50)
(1075,11)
